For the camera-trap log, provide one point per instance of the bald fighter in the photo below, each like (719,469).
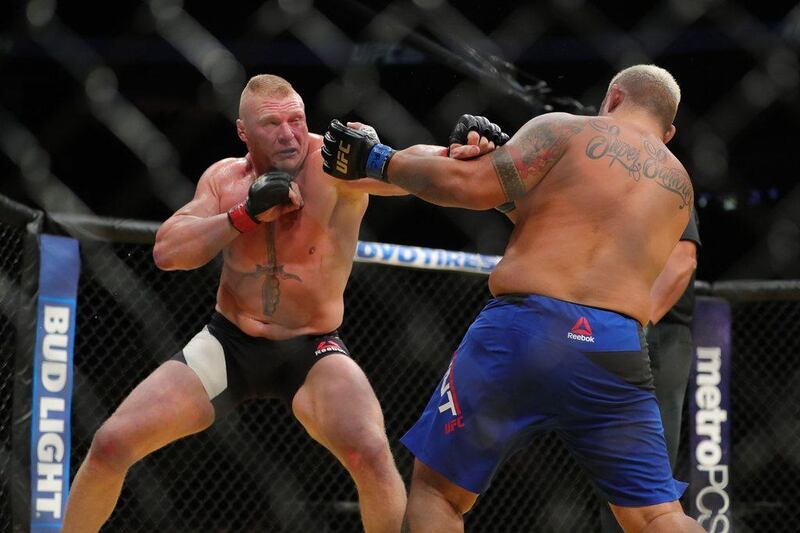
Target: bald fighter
(287,233)
(600,204)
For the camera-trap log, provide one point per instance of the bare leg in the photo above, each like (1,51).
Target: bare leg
(169,404)
(661,518)
(339,410)
(435,504)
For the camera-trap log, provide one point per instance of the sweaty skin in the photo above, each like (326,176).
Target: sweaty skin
(286,277)
(601,203)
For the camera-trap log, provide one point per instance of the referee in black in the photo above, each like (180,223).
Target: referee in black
(669,341)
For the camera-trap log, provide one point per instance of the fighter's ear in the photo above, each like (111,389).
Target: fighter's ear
(669,134)
(240,130)
(614,98)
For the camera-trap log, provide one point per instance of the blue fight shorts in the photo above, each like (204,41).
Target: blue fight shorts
(531,363)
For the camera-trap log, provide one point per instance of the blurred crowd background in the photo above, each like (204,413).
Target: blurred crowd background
(116,108)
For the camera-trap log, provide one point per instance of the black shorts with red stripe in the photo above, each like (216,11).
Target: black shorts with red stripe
(254,367)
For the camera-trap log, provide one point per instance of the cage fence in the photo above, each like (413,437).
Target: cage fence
(257,470)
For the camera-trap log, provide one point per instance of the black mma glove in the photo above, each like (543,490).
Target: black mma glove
(468,123)
(490,130)
(351,154)
(268,190)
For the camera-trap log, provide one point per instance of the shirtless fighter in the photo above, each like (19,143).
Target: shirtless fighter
(287,233)
(600,204)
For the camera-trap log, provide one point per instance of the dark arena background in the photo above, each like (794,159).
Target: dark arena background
(110,112)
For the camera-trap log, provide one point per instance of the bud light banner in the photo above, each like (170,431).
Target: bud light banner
(52,386)
(710,416)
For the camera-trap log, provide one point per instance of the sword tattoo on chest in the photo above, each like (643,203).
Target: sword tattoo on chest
(274,273)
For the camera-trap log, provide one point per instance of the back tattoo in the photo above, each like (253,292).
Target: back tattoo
(653,164)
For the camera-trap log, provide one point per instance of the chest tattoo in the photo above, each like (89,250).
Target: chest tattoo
(273,273)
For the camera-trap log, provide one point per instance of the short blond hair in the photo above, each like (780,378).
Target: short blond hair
(652,88)
(267,85)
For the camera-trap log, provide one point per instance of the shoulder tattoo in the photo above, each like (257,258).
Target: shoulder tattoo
(536,148)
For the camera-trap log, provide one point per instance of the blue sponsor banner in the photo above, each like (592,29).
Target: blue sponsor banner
(52,381)
(710,416)
(427,258)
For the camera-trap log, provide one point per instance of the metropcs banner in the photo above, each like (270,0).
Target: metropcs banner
(59,269)
(709,415)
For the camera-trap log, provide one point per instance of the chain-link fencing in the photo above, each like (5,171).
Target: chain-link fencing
(765,404)
(154,86)
(18,263)
(257,470)
(11,243)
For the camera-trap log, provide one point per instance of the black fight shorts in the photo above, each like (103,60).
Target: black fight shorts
(235,367)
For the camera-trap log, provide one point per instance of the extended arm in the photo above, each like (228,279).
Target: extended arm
(483,183)
(505,175)
(382,188)
(379,187)
(673,279)
(444,181)
(471,137)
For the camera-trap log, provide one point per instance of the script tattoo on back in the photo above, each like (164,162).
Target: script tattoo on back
(273,274)
(675,180)
(534,153)
(653,164)
(608,145)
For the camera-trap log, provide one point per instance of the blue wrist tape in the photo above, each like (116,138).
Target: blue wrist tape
(377,160)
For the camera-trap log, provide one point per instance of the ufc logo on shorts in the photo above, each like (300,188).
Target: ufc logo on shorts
(453,424)
(341,160)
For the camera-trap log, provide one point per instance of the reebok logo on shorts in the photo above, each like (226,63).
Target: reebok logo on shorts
(329,346)
(581,331)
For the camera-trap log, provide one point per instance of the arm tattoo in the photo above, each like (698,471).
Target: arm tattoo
(510,180)
(273,274)
(541,144)
(653,165)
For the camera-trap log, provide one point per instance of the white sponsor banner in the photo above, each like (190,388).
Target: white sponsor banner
(426,258)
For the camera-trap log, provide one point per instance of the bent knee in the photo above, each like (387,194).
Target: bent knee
(367,455)
(111,449)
